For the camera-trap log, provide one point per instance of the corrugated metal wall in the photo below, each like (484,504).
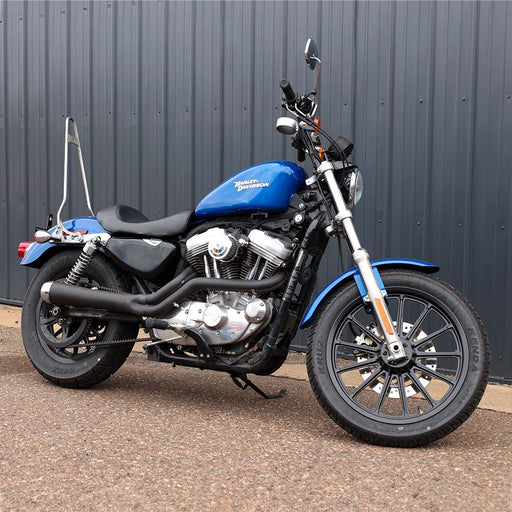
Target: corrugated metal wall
(173,97)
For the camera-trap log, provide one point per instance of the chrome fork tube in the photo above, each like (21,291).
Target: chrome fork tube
(362,259)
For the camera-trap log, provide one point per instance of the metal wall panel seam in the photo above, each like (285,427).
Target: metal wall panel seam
(426,249)
(454,135)
(251,106)
(387,216)
(139,117)
(165,108)
(88,6)
(500,259)
(506,152)
(468,233)
(4,150)
(67,102)
(16,123)
(192,107)
(46,13)
(26,119)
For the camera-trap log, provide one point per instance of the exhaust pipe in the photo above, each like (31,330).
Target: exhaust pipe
(62,294)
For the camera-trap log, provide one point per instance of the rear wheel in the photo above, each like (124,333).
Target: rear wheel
(414,401)
(47,333)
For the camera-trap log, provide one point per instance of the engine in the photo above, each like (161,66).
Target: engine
(228,317)
(219,253)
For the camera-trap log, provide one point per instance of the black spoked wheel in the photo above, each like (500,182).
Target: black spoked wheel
(418,399)
(69,337)
(57,344)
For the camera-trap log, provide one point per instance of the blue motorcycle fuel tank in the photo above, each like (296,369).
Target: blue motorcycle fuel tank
(267,187)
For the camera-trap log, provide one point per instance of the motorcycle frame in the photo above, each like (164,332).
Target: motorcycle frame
(343,218)
(277,341)
(344,226)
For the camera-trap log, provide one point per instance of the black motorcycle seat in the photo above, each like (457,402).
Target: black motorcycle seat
(125,220)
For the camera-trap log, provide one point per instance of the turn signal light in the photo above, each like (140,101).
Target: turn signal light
(318,123)
(22,248)
(41,236)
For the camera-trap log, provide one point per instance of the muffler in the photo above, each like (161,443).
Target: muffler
(140,305)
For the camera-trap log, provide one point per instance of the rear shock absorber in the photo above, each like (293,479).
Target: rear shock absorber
(82,262)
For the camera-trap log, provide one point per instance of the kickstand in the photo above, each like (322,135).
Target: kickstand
(243,383)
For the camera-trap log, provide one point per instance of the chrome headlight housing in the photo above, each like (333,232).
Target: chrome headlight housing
(353,188)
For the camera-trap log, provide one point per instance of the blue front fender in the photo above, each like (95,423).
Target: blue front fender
(354,272)
(36,254)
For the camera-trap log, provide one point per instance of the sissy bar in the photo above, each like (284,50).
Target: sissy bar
(75,140)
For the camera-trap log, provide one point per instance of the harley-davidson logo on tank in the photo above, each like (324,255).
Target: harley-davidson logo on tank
(245,184)
(267,187)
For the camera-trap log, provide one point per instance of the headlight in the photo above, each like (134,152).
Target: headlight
(354,187)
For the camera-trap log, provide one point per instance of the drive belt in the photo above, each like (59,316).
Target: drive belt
(111,342)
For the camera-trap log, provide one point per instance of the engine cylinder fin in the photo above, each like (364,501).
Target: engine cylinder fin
(217,253)
(230,270)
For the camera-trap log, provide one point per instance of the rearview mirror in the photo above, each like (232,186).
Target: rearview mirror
(311,53)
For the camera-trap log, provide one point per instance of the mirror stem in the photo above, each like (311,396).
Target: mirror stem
(317,73)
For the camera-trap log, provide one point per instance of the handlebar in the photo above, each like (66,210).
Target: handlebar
(289,94)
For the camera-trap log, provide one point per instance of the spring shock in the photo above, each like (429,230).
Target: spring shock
(82,262)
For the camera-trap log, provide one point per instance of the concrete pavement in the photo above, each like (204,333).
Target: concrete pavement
(157,438)
(497,397)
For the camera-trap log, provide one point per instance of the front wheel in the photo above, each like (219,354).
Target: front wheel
(413,401)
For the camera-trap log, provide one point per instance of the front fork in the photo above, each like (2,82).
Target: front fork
(375,294)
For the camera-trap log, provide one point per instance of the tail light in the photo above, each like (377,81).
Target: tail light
(22,248)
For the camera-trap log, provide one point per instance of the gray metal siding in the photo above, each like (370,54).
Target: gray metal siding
(173,97)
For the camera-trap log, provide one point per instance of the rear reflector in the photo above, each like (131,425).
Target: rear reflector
(22,248)
(81,231)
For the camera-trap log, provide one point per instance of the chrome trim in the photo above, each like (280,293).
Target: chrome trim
(41,236)
(286,125)
(330,230)
(45,291)
(218,325)
(70,238)
(269,247)
(72,139)
(362,260)
(311,181)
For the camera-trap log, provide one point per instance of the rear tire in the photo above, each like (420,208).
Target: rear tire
(408,403)
(74,367)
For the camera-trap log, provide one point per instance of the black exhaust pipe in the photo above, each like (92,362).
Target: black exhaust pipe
(62,294)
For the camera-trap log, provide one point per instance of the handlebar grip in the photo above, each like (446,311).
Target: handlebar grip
(301,155)
(289,94)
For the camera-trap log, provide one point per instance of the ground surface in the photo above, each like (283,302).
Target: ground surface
(158,438)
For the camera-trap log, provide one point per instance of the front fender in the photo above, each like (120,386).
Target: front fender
(36,254)
(423,266)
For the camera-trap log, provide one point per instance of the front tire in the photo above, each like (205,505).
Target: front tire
(42,333)
(408,403)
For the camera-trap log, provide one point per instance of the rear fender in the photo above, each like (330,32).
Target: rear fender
(36,254)
(353,273)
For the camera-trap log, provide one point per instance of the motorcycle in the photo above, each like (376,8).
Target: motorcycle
(395,356)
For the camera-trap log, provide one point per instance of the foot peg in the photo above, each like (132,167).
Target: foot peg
(243,383)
